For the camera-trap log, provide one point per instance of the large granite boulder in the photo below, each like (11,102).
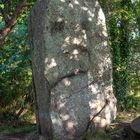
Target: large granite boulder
(70,51)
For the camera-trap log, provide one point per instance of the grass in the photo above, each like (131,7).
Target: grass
(11,127)
(6,129)
(127,116)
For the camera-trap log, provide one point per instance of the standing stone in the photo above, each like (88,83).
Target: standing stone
(71,68)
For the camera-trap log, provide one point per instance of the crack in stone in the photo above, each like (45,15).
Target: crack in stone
(72,74)
(78,91)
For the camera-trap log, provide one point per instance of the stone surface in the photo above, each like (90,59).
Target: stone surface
(135,125)
(70,48)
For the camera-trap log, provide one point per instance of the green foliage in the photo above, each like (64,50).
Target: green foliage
(100,134)
(15,66)
(123,28)
(9,129)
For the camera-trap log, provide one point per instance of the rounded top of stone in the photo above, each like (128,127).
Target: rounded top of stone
(135,125)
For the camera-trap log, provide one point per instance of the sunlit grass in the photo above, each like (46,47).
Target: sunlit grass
(127,116)
(133,110)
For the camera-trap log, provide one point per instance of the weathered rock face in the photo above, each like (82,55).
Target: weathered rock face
(71,63)
(135,125)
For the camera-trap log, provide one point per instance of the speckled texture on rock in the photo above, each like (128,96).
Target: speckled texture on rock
(77,65)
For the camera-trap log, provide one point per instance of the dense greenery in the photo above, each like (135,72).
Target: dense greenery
(123,28)
(15,68)
(123,35)
(15,61)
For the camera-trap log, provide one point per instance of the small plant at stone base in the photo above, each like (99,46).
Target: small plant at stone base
(98,134)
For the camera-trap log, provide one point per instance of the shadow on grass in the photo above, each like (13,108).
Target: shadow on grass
(16,127)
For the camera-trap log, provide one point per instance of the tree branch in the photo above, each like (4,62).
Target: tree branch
(12,22)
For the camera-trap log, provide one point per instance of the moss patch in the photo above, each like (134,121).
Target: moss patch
(99,134)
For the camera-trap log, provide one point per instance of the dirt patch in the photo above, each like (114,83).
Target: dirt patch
(15,136)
